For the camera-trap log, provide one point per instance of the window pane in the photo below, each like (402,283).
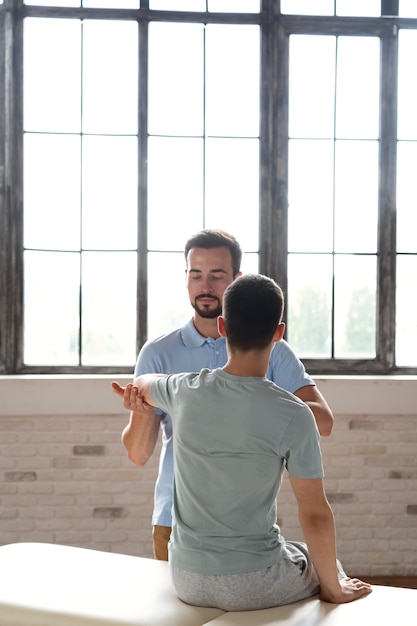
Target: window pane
(53,3)
(175,191)
(112,4)
(109,207)
(356,196)
(108,308)
(234,6)
(176,79)
(406,311)
(110,76)
(168,305)
(232,188)
(178,5)
(307,7)
(359,8)
(357,104)
(310,300)
(406,196)
(232,62)
(312,80)
(52,82)
(407,8)
(51,187)
(310,196)
(407,87)
(355,307)
(51,311)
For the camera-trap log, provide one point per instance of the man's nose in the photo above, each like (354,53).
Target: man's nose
(207,284)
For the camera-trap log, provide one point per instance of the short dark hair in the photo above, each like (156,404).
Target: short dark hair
(215,238)
(253,306)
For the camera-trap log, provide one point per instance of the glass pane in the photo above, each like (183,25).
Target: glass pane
(178,5)
(112,4)
(407,86)
(307,7)
(176,79)
(250,262)
(359,8)
(355,307)
(175,191)
(51,188)
(110,76)
(357,104)
(53,3)
(406,196)
(308,312)
(52,82)
(232,188)
(109,308)
(310,196)
(311,86)
(406,312)
(109,200)
(356,196)
(168,303)
(407,8)
(51,311)
(232,80)
(234,6)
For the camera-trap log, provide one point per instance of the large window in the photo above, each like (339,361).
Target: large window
(126,126)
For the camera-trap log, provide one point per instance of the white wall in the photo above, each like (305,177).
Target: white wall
(65,478)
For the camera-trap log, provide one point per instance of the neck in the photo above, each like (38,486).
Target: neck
(207,327)
(253,363)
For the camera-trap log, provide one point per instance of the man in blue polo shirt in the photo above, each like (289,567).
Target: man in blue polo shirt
(213,259)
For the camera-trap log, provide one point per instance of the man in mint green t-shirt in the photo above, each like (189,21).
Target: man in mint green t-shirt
(234,434)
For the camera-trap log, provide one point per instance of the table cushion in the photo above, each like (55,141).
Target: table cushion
(385,606)
(42,584)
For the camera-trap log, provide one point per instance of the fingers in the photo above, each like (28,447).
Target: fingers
(132,400)
(117,388)
(350,589)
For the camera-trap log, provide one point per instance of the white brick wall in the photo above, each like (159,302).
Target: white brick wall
(65,478)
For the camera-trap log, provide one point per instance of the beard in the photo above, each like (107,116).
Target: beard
(204,310)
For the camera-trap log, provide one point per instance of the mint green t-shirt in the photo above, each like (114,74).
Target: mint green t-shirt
(233,436)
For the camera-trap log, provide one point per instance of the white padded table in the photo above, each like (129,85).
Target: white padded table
(43,584)
(385,606)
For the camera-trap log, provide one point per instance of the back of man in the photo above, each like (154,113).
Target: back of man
(229,458)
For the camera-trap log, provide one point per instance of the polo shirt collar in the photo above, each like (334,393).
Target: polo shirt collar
(191,337)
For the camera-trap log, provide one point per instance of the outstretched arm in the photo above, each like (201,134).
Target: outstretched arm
(321,410)
(317,523)
(140,435)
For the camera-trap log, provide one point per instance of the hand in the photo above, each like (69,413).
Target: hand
(132,400)
(350,589)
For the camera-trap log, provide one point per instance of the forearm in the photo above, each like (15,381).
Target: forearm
(320,536)
(140,435)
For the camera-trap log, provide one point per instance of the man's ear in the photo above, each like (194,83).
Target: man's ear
(279,333)
(220,326)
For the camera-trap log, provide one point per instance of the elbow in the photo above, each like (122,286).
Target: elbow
(327,428)
(137,459)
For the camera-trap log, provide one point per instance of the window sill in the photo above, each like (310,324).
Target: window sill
(91,395)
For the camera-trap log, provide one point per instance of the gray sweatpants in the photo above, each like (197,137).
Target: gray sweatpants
(293,578)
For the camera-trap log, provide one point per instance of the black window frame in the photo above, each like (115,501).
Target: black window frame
(275,32)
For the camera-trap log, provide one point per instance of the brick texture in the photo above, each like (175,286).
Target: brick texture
(67,480)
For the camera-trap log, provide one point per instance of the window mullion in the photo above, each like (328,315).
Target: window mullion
(387,199)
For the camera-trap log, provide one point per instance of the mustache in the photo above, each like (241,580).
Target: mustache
(207,295)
